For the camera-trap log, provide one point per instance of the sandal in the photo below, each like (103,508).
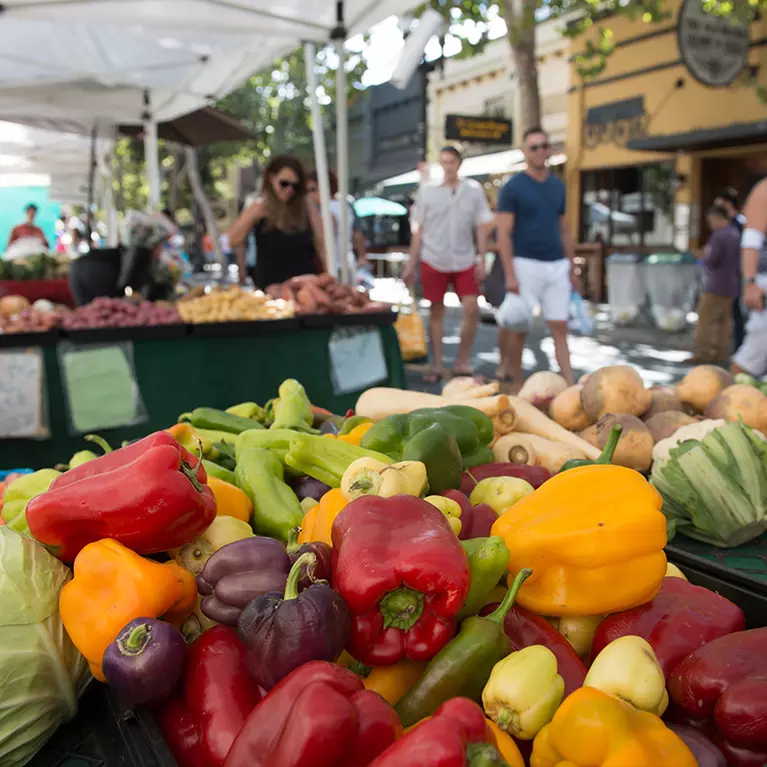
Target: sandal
(467,373)
(433,376)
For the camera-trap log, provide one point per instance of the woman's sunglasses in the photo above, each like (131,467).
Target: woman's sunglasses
(294,185)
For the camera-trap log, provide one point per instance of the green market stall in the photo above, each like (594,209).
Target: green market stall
(144,378)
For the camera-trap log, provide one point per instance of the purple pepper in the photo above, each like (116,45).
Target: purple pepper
(320,569)
(239,572)
(284,631)
(705,752)
(145,662)
(308,487)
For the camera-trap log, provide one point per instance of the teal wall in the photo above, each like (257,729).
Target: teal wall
(13,200)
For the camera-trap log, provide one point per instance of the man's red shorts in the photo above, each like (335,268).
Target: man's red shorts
(435,284)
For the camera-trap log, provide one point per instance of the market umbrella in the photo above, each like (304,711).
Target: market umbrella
(200,128)
(378,206)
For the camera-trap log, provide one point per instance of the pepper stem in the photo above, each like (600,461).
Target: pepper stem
(402,608)
(484,755)
(294,576)
(500,612)
(611,445)
(292,546)
(136,641)
(191,472)
(100,441)
(472,477)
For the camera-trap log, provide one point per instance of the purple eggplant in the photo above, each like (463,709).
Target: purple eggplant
(145,663)
(308,487)
(705,752)
(239,572)
(284,631)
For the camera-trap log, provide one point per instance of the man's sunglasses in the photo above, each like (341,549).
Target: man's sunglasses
(311,189)
(294,185)
(539,147)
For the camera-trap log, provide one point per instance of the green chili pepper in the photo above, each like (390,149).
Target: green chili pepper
(461,668)
(215,470)
(352,423)
(218,420)
(275,440)
(292,410)
(249,410)
(605,457)
(276,510)
(83,456)
(488,560)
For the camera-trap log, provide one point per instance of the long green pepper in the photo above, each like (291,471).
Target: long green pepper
(218,420)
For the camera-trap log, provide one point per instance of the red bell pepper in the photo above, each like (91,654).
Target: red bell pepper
(456,736)
(525,629)
(202,723)
(118,458)
(535,475)
(476,521)
(403,574)
(153,503)
(725,682)
(679,620)
(320,715)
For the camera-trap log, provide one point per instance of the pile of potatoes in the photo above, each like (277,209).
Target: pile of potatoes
(616,394)
(232,305)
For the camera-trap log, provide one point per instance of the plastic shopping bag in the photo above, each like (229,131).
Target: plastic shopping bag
(514,314)
(580,315)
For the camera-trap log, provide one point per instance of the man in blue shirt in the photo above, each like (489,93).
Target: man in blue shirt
(537,252)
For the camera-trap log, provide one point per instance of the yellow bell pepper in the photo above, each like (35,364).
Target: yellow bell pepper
(578,630)
(593,537)
(318,521)
(354,437)
(112,585)
(230,500)
(392,682)
(672,571)
(594,729)
(369,476)
(450,509)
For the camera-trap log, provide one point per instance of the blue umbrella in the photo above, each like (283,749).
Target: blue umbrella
(378,206)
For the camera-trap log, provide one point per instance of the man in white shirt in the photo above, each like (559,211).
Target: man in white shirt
(451,223)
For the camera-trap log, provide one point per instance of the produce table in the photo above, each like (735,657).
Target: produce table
(205,366)
(56,290)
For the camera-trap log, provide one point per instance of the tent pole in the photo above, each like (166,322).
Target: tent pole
(320,159)
(92,183)
(342,145)
(151,155)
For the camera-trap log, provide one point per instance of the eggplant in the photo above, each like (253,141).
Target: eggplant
(308,487)
(239,572)
(145,663)
(282,631)
(704,751)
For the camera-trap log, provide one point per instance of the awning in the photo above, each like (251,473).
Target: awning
(738,134)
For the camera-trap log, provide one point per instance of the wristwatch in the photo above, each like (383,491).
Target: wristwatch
(750,281)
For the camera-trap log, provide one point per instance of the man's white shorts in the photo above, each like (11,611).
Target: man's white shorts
(752,354)
(545,284)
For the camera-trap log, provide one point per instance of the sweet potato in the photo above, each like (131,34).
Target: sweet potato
(305,301)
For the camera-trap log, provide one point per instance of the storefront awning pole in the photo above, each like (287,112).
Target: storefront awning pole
(151,157)
(320,158)
(342,144)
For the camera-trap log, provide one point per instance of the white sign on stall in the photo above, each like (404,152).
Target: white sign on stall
(357,359)
(22,394)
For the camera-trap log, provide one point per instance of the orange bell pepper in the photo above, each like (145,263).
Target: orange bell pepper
(319,519)
(594,729)
(112,585)
(392,682)
(593,537)
(506,746)
(230,500)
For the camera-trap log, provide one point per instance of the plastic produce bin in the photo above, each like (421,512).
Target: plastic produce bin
(626,291)
(672,282)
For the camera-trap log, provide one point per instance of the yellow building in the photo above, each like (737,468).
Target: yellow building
(669,123)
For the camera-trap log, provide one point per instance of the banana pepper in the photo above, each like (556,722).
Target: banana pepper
(594,538)
(369,476)
(594,729)
(112,585)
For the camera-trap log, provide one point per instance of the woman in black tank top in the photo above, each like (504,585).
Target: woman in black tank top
(287,229)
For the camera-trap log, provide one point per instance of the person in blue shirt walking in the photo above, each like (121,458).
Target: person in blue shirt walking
(537,252)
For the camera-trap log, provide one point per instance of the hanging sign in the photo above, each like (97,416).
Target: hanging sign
(714,49)
(480,130)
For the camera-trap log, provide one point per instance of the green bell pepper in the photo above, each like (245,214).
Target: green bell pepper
(218,420)
(293,410)
(20,492)
(276,510)
(488,560)
(437,449)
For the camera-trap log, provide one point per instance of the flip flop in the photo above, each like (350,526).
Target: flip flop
(468,373)
(433,376)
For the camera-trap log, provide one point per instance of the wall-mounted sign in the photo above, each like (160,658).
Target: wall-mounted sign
(617,122)
(482,130)
(714,50)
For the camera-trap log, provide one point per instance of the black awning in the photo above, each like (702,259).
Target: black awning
(708,138)
(615,110)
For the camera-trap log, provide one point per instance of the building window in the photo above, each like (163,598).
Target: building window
(495,107)
(629,207)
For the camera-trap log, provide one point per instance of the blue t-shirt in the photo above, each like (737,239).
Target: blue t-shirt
(537,206)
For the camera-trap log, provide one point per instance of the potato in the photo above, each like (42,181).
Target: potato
(700,387)
(635,445)
(541,388)
(567,411)
(741,401)
(664,400)
(615,389)
(663,425)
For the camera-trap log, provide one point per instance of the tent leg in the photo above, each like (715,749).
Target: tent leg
(92,183)
(321,160)
(342,154)
(152,164)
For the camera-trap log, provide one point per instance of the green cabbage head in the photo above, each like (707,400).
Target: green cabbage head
(41,672)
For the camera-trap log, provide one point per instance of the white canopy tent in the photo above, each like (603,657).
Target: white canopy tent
(273,28)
